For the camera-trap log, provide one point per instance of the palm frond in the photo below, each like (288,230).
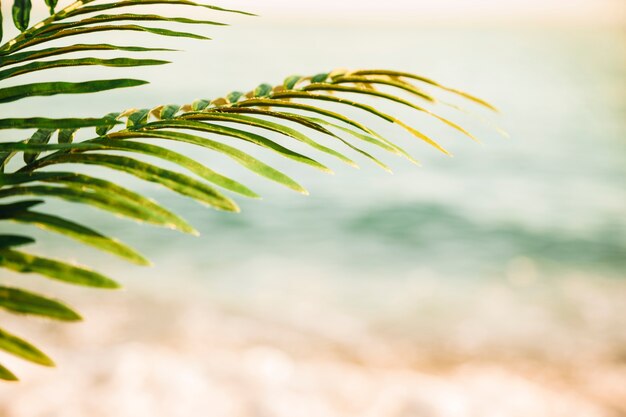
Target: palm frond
(17,58)
(301,111)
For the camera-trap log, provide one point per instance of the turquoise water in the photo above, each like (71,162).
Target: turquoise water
(554,191)
(539,207)
(552,194)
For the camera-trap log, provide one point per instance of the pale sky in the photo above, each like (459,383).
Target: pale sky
(537,10)
(505,11)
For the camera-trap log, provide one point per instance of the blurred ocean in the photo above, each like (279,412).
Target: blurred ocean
(487,284)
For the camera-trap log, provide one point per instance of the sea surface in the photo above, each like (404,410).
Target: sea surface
(490,283)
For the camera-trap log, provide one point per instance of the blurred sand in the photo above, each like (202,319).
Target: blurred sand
(142,354)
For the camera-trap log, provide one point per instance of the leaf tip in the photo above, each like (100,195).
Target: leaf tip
(442,149)
(111,285)
(45,360)
(74,316)
(503,133)
(7,376)
(140,260)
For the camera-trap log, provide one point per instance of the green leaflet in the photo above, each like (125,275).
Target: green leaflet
(7,209)
(261,102)
(21,57)
(1,30)
(101,193)
(25,263)
(41,136)
(370,109)
(137,118)
(296,118)
(142,209)
(21,14)
(275,127)
(80,233)
(144,148)
(51,88)
(242,158)
(319,78)
(240,134)
(366,138)
(263,90)
(104,195)
(200,104)
(127,3)
(390,97)
(8,241)
(234,96)
(198,168)
(106,201)
(315,124)
(355,148)
(45,123)
(168,111)
(306,95)
(291,81)
(122,17)
(53,35)
(44,65)
(386,145)
(175,181)
(113,120)
(386,81)
(5,374)
(427,81)
(314,109)
(24,302)
(51,5)
(177,158)
(21,348)
(66,135)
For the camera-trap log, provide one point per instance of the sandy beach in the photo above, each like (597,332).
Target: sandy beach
(179,355)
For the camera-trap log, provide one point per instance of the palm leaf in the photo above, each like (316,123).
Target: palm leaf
(238,156)
(61,63)
(401,74)
(62,271)
(103,194)
(7,241)
(127,3)
(19,347)
(296,111)
(80,233)
(19,92)
(21,57)
(5,374)
(19,301)
(46,123)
